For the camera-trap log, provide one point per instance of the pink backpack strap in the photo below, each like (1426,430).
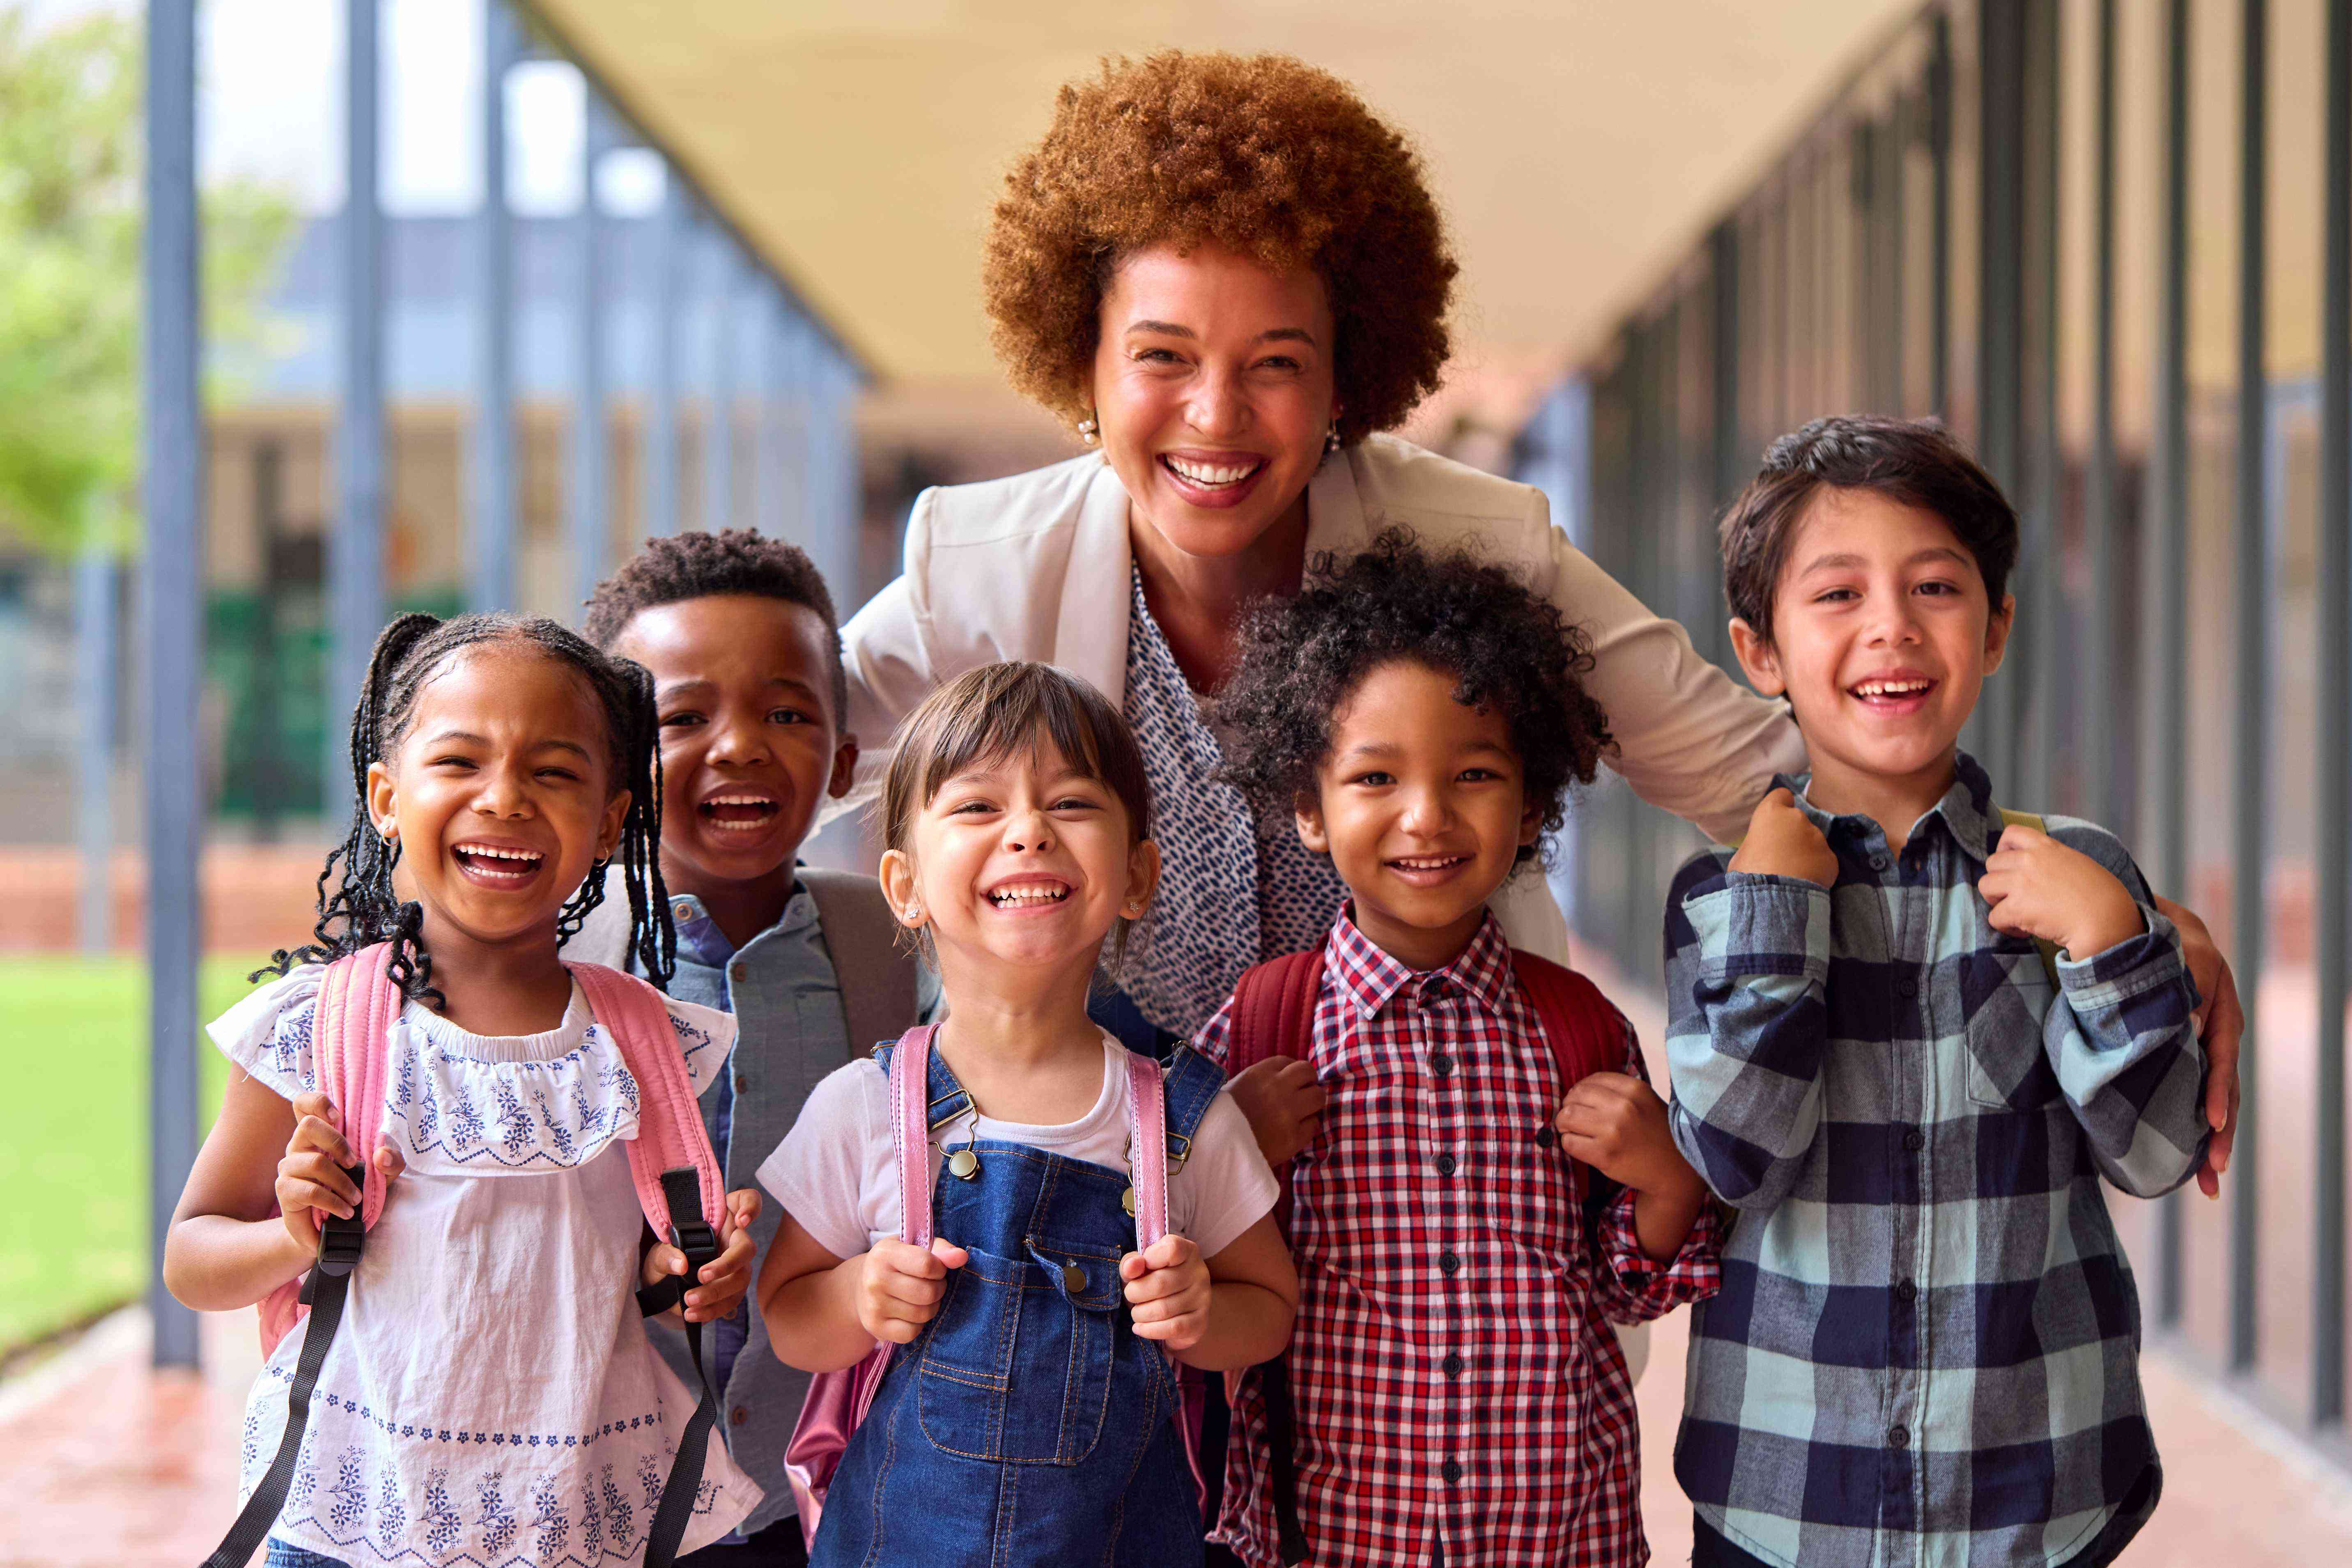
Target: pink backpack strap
(1147,1113)
(670,1134)
(910,1133)
(351,1024)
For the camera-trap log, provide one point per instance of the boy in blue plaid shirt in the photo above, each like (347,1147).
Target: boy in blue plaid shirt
(1906,1043)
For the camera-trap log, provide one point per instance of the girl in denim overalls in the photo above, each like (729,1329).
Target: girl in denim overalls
(1032,1414)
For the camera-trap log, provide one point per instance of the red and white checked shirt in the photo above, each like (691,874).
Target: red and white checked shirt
(1453,1372)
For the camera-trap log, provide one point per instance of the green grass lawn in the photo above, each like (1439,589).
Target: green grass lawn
(73,1131)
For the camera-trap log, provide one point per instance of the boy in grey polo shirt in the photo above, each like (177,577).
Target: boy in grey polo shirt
(739,633)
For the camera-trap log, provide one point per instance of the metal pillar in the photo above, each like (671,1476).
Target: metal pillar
(95,684)
(718,421)
(661,500)
(494,451)
(2001,125)
(591,514)
(2335,733)
(837,494)
(2167,756)
(2249,846)
(2099,487)
(771,493)
(172,437)
(355,547)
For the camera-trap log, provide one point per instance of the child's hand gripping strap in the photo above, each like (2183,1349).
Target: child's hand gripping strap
(680,1189)
(357,1005)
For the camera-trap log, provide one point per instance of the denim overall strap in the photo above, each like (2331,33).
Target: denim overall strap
(1190,1084)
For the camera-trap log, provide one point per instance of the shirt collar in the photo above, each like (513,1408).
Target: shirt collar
(699,940)
(1965,810)
(1370,977)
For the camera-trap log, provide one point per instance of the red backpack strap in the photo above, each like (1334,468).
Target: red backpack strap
(1586,1032)
(1274,1011)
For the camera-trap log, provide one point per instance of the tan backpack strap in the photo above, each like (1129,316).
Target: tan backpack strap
(2034,820)
(875,971)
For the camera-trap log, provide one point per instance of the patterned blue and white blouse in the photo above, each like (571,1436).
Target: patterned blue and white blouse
(1233,890)
(491,1399)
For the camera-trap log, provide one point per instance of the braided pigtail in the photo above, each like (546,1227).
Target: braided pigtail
(653,934)
(359,908)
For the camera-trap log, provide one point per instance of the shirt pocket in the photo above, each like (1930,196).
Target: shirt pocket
(2007,1067)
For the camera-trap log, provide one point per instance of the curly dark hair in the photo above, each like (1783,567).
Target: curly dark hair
(1503,644)
(1262,154)
(361,909)
(675,566)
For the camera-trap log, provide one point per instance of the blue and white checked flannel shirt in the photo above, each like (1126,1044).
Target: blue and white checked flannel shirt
(1926,1347)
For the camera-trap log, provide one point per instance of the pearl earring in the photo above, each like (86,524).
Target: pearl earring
(1090,429)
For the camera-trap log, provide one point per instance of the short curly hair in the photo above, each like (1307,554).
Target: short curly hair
(1262,154)
(697,566)
(1506,647)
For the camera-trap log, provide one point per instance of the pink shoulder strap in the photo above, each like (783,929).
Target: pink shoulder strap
(350,1024)
(1147,1113)
(670,1134)
(910,1133)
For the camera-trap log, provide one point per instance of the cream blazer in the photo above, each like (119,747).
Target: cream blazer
(1038,566)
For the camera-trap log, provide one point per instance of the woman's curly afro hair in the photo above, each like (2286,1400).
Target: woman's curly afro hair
(1506,647)
(1261,155)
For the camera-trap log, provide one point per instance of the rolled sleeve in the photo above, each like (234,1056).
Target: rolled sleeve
(1633,1288)
(2122,1037)
(1746,1025)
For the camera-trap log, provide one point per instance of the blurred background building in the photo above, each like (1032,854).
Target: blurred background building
(2109,241)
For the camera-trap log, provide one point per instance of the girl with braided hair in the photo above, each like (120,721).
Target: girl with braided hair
(491,1395)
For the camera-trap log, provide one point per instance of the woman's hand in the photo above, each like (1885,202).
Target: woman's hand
(723,1279)
(1783,842)
(2221,1025)
(1283,1104)
(1168,1291)
(311,1174)
(900,1285)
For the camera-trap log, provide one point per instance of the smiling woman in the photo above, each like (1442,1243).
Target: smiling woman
(1228,274)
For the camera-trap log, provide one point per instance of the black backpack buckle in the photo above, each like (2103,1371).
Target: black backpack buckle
(341,1240)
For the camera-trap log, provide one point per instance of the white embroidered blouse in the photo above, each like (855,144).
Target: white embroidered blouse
(490,1399)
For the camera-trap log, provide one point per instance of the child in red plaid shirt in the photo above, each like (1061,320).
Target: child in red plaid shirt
(1468,1216)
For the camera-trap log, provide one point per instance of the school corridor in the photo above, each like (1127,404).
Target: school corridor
(450,304)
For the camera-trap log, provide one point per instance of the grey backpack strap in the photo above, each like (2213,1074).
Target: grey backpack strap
(603,936)
(876,973)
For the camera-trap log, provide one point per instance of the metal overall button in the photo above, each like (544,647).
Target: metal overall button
(963,1166)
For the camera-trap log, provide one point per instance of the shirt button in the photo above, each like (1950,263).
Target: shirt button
(1908,987)
(1547,1135)
(681,911)
(1446,1164)
(738,1415)
(1451,1470)
(1898,1437)
(1915,1140)
(1441,1064)
(742,1082)
(735,972)
(1451,1366)
(1878,862)
(1906,1291)
(1447,1262)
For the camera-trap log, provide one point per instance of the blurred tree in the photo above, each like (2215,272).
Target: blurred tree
(71,134)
